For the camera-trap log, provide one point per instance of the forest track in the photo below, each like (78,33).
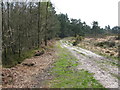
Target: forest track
(22,76)
(99,65)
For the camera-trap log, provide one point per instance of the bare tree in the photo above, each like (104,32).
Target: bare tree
(46,29)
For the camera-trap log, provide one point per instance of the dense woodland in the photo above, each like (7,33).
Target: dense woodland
(28,25)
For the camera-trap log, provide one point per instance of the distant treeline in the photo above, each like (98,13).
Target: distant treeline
(28,25)
(73,27)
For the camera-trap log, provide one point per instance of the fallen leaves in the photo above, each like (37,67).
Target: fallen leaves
(28,73)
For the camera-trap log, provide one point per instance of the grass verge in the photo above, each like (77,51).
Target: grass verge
(67,76)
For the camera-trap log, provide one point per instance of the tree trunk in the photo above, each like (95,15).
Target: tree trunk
(38,24)
(3,44)
(45,40)
(46,29)
(19,50)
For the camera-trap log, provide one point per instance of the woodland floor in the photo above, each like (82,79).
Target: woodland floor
(23,76)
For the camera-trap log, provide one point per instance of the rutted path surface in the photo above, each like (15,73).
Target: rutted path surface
(100,66)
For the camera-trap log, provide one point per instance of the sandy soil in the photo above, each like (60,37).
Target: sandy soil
(96,64)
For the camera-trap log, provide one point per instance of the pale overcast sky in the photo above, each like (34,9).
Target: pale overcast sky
(103,11)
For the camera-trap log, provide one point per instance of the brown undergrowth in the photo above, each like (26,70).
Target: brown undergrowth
(32,72)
